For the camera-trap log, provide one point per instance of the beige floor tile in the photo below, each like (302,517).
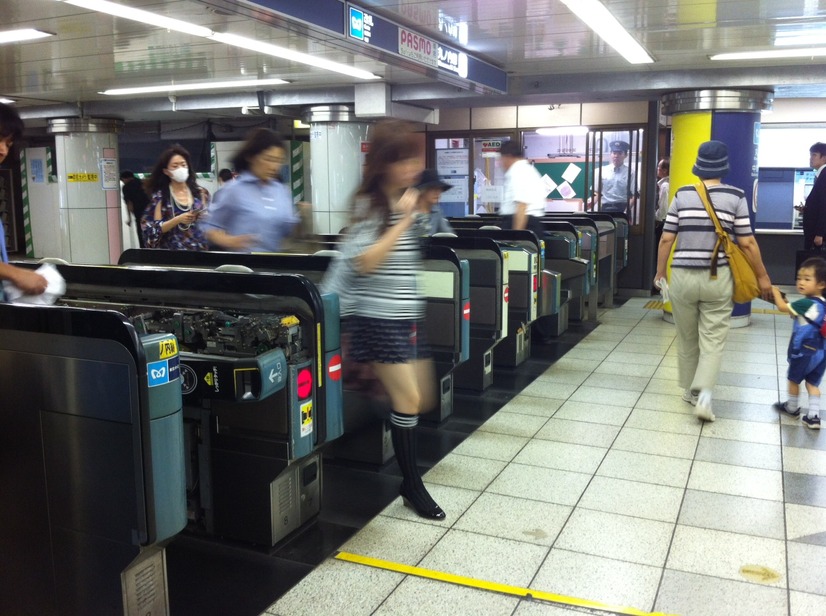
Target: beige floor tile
(619,537)
(417,596)
(486,558)
(723,555)
(656,443)
(689,594)
(806,524)
(519,519)
(562,456)
(659,470)
(804,461)
(594,578)
(578,432)
(464,472)
(359,591)
(513,424)
(610,414)
(633,498)
(538,483)
(737,480)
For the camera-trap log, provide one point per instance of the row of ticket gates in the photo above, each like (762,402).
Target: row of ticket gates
(195,392)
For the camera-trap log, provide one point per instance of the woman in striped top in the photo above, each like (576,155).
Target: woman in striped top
(702,305)
(381,308)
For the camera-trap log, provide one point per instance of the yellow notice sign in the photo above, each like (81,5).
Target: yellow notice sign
(83,177)
(168,348)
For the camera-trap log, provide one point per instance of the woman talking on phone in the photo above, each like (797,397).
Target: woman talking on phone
(170,221)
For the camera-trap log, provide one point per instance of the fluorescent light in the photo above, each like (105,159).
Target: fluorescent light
(144,17)
(805,52)
(553,131)
(153,19)
(24,34)
(289,54)
(606,26)
(205,85)
(7,101)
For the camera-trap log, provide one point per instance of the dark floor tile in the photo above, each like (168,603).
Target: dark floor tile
(804,489)
(210,579)
(801,436)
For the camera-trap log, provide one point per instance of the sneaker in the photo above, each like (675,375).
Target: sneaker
(781,407)
(812,422)
(690,397)
(703,408)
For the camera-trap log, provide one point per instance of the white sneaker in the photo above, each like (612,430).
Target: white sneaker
(690,397)
(703,410)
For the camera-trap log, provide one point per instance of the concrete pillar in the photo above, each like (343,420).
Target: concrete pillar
(338,144)
(730,116)
(88,204)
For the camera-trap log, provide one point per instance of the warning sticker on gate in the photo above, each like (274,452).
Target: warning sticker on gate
(306,418)
(168,348)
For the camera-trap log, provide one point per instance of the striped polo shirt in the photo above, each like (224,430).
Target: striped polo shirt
(388,292)
(696,238)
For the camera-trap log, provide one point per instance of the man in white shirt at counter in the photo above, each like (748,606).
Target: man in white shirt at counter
(523,203)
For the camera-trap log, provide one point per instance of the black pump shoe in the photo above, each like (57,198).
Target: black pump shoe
(426,510)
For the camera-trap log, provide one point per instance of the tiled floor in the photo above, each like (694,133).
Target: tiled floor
(597,482)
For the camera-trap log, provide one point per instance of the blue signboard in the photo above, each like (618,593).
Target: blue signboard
(398,40)
(360,25)
(328,14)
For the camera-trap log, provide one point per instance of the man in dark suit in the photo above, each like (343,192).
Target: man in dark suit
(136,201)
(814,210)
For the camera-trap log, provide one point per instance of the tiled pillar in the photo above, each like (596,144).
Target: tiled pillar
(730,116)
(338,144)
(89,202)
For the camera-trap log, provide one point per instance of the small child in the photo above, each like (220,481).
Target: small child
(806,355)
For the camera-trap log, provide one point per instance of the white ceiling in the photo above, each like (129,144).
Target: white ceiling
(549,55)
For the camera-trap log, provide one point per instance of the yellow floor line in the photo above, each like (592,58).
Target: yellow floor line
(490,586)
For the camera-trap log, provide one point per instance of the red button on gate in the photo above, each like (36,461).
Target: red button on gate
(304,383)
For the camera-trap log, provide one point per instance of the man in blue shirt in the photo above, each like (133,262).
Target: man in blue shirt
(31,283)
(617,186)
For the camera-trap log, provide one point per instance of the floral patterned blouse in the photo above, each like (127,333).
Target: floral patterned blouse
(180,237)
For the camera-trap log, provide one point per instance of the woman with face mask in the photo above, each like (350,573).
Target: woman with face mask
(170,221)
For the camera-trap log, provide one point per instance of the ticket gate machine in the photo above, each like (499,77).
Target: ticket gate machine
(601,244)
(563,250)
(544,289)
(623,229)
(252,385)
(93,477)
(445,285)
(522,300)
(312,267)
(489,279)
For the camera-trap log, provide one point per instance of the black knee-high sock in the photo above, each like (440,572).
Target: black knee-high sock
(403,430)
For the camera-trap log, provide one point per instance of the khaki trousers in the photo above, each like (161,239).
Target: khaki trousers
(702,313)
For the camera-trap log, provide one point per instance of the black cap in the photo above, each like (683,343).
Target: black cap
(619,146)
(712,160)
(430,179)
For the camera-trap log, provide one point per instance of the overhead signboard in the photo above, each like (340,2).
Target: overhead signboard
(357,24)
(388,36)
